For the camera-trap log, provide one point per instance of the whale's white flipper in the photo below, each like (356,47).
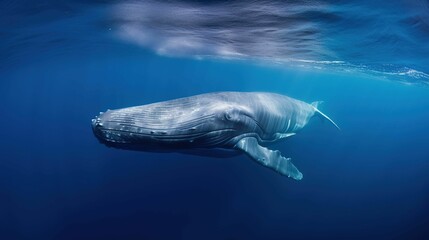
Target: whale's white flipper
(269,158)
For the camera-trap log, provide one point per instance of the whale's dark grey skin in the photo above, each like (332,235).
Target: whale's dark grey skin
(234,121)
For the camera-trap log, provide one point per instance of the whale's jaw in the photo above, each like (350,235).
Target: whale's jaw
(128,128)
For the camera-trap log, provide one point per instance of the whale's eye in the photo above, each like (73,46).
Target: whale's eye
(232,115)
(228,116)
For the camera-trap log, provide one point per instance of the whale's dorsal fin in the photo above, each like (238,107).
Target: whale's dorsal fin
(268,158)
(316,105)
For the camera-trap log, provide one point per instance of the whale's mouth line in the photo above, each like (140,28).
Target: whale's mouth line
(178,137)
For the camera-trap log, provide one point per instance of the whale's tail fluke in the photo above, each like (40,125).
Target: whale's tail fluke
(316,105)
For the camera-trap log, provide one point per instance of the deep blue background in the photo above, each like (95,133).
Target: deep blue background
(61,63)
(57,182)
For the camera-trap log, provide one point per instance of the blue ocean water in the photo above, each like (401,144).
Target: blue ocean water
(61,62)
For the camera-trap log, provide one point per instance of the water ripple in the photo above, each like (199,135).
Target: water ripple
(357,36)
(387,39)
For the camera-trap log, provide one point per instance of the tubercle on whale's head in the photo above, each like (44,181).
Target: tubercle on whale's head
(97,127)
(102,132)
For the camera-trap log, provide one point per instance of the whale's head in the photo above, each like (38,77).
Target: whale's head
(173,124)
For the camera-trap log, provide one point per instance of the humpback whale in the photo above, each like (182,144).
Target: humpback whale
(211,123)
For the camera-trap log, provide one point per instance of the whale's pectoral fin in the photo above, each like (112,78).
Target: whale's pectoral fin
(269,158)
